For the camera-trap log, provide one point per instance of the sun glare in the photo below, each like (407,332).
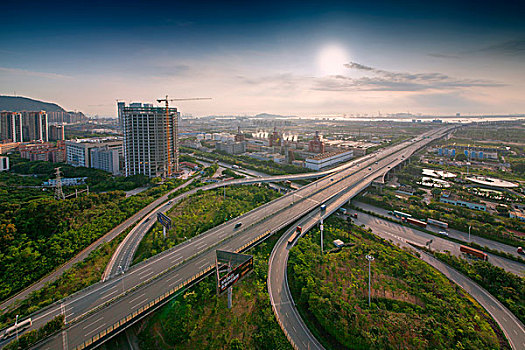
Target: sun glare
(331,60)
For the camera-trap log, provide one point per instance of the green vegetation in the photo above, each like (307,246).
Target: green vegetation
(37,235)
(200,319)
(201,212)
(98,180)
(80,276)
(483,223)
(32,337)
(508,288)
(413,305)
(264,166)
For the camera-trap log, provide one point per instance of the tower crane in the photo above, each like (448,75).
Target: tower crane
(176,127)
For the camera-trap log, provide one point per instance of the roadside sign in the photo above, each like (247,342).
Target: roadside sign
(239,265)
(164,220)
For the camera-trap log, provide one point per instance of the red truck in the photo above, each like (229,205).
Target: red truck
(520,251)
(473,252)
(297,232)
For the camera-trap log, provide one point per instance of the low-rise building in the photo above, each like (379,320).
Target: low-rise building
(4,163)
(105,158)
(517,213)
(454,200)
(231,147)
(79,151)
(327,159)
(44,151)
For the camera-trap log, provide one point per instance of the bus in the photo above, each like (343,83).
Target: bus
(16,328)
(400,214)
(473,252)
(437,223)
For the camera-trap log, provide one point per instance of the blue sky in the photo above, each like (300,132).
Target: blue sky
(283,57)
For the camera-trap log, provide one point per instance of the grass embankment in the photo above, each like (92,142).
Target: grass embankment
(78,277)
(201,212)
(413,305)
(508,288)
(199,319)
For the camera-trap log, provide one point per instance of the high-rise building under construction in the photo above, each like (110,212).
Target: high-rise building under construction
(148,132)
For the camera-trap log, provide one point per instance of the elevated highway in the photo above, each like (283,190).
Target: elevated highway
(104,309)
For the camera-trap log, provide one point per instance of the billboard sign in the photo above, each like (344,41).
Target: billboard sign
(240,265)
(164,220)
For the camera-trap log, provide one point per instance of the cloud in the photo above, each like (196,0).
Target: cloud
(514,47)
(383,80)
(444,55)
(33,73)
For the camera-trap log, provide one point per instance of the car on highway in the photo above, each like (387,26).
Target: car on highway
(444,233)
(170,202)
(237,225)
(369,168)
(147,219)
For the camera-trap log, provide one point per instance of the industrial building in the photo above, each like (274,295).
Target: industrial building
(79,153)
(327,159)
(316,145)
(231,147)
(454,200)
(148,137)
(469,151)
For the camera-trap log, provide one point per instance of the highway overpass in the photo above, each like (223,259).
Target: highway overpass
(104,309)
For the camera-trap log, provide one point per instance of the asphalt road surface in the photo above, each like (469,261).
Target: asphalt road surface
(438,243)
(96,307)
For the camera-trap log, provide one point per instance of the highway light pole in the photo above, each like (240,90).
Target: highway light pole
(122,278)
(469,233)
(322,228)
(370,258)
(16,327)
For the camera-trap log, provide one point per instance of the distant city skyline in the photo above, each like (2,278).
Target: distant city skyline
(288,58)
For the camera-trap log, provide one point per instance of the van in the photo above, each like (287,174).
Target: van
(444,233)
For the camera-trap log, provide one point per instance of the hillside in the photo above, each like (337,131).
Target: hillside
(17,104)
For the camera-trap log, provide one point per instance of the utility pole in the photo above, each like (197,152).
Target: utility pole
(370,258)
(322,228)
(59,194)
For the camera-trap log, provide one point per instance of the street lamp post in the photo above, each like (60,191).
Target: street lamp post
(122,278)
(469,233)
(370,258)
(16,327)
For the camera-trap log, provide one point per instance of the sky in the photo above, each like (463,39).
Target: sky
(285,57)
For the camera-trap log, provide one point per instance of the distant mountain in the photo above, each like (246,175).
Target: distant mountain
(267,115)
(18,104)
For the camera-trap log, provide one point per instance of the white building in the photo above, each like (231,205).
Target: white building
(327,159)
(78,152)
(107,159)
(4,163)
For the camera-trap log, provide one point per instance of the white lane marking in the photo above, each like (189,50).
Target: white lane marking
(169,279)
(107,295)
(92,323)
(140,296)
(200,245)
(146,275)
(143,272)
(96,329)
(204,264)
(177,258)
